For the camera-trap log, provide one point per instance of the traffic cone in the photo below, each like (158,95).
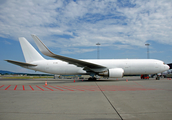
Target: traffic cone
(45,83)
(126,80)
(117,79)
(74,81)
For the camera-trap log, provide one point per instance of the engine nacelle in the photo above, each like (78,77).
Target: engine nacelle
(113,73)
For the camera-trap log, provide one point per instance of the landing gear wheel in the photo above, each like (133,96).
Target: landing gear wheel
(92,79)
(158,77)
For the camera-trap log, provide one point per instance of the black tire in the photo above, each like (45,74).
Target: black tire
(92,79)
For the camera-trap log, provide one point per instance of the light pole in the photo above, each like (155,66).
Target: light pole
(147,44)
(98,50)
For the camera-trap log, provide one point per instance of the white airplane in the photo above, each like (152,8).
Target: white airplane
(111,68)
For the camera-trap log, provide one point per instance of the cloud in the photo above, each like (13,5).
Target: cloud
(84,23)
(6,42)
(76,50)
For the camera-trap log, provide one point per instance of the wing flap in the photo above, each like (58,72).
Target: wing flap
(79,63)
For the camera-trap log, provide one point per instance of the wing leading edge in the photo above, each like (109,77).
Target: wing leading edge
(79,63)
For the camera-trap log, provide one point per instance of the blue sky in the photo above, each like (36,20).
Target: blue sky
(73,27)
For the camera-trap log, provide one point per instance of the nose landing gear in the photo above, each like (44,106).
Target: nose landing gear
(158,77)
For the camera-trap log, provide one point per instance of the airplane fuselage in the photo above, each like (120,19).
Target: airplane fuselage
(130,66)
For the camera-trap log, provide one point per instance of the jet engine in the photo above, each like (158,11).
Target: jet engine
(113,73)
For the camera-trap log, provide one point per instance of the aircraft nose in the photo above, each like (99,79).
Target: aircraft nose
(170,65)
(167,67)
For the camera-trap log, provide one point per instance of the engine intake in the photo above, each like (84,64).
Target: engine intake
(113,73)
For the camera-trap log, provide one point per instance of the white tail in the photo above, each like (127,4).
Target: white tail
(29,51)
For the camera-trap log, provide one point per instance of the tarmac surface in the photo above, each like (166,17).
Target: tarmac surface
(108,99)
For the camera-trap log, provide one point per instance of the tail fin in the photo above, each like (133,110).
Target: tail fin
(29,51)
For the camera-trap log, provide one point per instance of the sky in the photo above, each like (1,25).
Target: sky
(73,27)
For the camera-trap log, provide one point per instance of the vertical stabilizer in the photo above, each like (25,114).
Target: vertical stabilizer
(30,53)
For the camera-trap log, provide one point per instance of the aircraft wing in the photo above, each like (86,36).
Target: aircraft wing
(22,64)
(80,63)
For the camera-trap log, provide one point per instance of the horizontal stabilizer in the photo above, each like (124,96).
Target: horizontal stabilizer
(22,64)
(80,63)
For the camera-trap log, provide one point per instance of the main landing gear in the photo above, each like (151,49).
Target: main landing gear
(92,78)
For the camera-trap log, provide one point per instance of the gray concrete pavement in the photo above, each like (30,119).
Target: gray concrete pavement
(86,100)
